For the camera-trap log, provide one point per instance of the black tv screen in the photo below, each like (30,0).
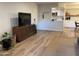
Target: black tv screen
(24,18)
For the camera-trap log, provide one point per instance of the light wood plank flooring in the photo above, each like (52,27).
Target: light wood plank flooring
(47,43)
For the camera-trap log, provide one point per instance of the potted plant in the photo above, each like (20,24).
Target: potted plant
(6,41)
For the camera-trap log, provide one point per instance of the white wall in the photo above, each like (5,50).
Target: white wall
(9,14)
(45,8)
(47,23)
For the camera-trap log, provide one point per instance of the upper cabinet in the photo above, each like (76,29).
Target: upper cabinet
(67,14)
(57,14)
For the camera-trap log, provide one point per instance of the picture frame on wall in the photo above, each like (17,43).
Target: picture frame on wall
(43,15)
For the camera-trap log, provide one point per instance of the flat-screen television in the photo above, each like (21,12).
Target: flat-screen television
(24,18)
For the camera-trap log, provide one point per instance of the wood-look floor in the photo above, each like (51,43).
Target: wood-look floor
(47,43)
